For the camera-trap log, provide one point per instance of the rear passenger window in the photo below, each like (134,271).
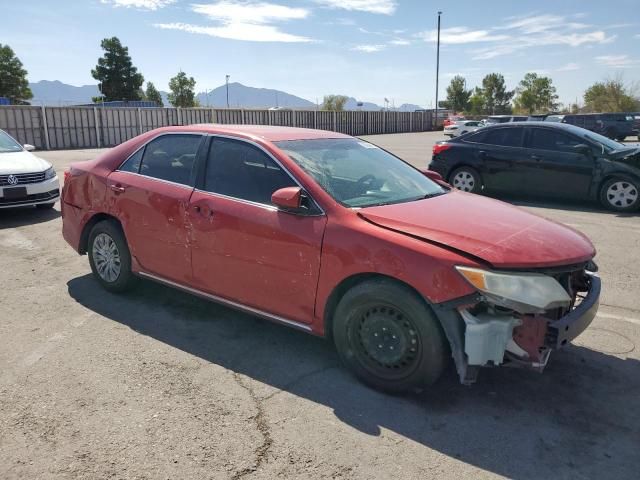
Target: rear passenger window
(504,137)
(171,158)
(240,170)
(132,164)
(547,139)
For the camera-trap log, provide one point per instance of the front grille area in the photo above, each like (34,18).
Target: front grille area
(23,178)
(38,197)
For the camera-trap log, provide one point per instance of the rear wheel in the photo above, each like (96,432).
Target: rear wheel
(109,257)
(620,194)
(388,337)
(466,179)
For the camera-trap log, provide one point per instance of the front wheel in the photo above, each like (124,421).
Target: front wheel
(388,337)
(109,257)
(620,194)
(466,179)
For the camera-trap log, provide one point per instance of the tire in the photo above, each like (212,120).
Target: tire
(621,194)
(108,243)
(467,178)
(621,138)
(413,347)
(45,206)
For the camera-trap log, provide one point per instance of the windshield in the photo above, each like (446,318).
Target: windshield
(8,144)
(608,144)
(359,174)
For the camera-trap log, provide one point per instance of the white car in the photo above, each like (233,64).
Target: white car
(25,180)
(461,127)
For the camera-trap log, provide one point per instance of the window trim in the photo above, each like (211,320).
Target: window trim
(200,177)
(194,174)
(501,127)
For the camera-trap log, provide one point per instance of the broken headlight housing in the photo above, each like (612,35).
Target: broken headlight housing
(525,293)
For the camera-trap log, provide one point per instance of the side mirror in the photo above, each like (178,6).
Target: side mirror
(288,198)
(583,149)
(29,148)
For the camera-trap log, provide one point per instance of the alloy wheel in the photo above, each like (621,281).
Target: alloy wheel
(622,194)
(106,257)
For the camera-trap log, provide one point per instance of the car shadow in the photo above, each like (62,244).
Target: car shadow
(580,419)
(20,216)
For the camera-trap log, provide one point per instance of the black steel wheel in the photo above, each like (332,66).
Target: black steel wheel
(387,335)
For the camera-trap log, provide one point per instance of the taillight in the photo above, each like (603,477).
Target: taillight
(440,147)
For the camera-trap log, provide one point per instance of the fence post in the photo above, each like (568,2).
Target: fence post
(242,119)
(179,113)
(294,122)
(139,121)
(384,121)
(335,121)
(45,128)
(411,122)
(315,119)
(95,119)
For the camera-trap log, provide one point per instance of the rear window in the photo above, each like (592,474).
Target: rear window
(504,137)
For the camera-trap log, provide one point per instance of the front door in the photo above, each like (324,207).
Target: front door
(150,195)
(244,249)
(555,168)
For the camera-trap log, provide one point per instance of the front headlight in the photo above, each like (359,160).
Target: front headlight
(49,173)
(522,292)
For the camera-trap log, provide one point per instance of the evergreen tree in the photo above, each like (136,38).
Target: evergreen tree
(13,78)
(119,79)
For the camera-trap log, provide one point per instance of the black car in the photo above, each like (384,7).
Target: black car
(616,126)
(541,158)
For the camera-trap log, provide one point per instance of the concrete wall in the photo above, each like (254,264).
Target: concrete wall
(52,128)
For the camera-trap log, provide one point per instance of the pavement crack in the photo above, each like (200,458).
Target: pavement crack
(262,425)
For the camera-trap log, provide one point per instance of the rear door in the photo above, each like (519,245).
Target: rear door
(499,152)
(554,167)
(150,194)
(245,250)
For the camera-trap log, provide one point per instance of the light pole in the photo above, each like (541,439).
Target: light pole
(227,82)
(437,69)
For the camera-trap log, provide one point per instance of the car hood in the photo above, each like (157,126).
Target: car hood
(495,232)
(630,156)
(21,162)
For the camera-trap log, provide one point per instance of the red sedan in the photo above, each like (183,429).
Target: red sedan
(335,236)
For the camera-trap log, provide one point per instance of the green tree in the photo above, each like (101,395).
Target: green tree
(611,95)
(119,79)
(536,94)
(153,95)
(497,99)
(476,105)
(457,94)
(182,91)
(334,103)
(13,78)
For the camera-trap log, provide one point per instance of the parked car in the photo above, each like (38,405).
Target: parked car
(25,180)
(493,119)
(541,158)
(461,127)
(616,126)
(452,119)
(334,236)
(636,125)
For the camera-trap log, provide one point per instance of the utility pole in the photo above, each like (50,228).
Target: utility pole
(437,70)
(227,83)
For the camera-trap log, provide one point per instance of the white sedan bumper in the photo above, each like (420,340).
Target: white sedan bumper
(47,191)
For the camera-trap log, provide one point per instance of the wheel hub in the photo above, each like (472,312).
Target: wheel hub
(464,181)
(622,194)
(106,257)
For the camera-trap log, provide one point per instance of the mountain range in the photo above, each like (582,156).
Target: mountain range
(56,93)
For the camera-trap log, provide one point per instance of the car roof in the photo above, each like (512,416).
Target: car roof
(537,123)
(270,133)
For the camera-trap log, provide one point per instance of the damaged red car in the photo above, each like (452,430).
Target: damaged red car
(334,236)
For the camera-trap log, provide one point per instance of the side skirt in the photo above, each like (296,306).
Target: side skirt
(228,303)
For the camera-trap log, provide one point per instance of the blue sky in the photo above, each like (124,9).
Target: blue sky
(370,49)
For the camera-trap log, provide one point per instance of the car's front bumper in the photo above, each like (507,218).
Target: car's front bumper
(47,191)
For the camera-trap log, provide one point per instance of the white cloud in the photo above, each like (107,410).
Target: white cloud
(240,20)
(460,35)
(400,42)
(368,48)
(386,7)
(569,67)
(616,61)
(142,4)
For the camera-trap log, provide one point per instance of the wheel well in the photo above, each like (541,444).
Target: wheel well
(84,237)
(609,176)
(343,287)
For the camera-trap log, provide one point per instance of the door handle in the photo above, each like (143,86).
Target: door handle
(482,154)
(536,158)
(117,188)
(204,211)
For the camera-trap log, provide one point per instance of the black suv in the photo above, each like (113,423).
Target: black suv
(616,126)
(542,158)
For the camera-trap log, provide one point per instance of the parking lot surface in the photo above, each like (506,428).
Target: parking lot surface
(159,384)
